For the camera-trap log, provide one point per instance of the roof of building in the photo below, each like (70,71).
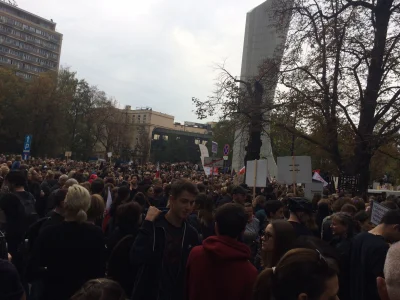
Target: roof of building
(27,12)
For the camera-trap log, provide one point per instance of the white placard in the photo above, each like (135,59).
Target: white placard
(378,211)
(301,168)
(203,153)
(109,154)
(313,188)
(261,176)
(68,154)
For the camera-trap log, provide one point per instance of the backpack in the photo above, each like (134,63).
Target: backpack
(30,237)
(29,207)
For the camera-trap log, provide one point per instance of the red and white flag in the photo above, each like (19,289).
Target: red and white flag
(242,171)
(158,170)
(319,178)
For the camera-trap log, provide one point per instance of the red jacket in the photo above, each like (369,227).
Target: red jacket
(220,269)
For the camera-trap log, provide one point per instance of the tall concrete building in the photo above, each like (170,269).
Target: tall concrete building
(261,41)
(28,43)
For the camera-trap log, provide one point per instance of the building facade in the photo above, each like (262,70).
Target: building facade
(28,43)
(261,41)
(144,129)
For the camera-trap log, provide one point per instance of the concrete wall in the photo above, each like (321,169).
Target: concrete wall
(261,41)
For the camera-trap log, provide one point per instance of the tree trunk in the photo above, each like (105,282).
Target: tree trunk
(364,148)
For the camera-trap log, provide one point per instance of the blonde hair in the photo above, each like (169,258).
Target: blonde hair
(4,170)
(97,207)
(77,203)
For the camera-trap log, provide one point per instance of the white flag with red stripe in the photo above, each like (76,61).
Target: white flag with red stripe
(319,178)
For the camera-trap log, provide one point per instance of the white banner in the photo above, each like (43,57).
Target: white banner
(203,153)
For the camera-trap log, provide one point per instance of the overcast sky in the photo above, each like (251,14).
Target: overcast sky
(156,53)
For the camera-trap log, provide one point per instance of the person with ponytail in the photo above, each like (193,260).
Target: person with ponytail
(67,255)
(301,274)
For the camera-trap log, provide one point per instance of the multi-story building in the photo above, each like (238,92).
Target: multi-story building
(28,43)
(143,128)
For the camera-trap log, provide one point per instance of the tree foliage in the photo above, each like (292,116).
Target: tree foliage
(61,112)
(341,64)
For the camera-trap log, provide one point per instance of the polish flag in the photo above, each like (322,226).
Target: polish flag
(158,170)
(319,178)
(242,171)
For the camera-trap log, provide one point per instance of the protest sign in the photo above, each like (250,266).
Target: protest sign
(294,169)
(256,173)
(313,188)
(378,211)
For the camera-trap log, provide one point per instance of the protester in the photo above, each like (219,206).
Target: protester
(119,244)
(123,196)
(389,287)
(202,218)
(259,203)
(300,213)
(65,256)
(300,274)
(343,231)
(16,182)
(277,239)
(273,211)
(363,221)
(251,233)
(10,284)
(163,245)
(100,289)
(219,269)
(239,195)
(326,232)
(96,210)
(56,216)
(226,197)
(133,186)
(97,186)
(368,254)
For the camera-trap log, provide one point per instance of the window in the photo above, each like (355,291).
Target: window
(156,137)
(165,137)
(133,118)
(197,141)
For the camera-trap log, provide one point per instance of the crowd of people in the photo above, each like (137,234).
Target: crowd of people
(91,231)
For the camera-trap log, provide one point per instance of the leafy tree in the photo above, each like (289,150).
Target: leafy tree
(342,60)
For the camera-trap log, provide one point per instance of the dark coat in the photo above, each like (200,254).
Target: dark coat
(147,253)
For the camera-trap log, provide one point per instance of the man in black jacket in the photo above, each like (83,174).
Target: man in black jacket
(162,247)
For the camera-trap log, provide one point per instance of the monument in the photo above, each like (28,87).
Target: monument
(261,41)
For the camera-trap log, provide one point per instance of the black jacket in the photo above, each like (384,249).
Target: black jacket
(147,253)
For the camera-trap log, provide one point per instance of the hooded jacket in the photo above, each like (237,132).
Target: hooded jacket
(147,255)
(220,269)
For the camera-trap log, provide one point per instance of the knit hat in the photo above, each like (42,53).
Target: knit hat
(10,284)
